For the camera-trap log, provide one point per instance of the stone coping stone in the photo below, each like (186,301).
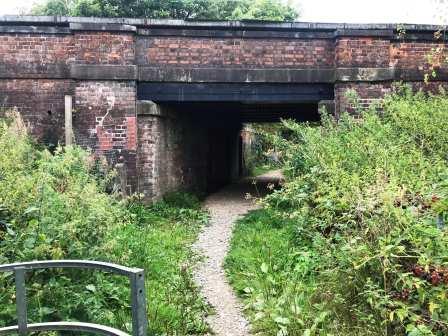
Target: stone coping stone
(85,23)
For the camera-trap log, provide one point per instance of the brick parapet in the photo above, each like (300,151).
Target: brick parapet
(235,52)
(124,49)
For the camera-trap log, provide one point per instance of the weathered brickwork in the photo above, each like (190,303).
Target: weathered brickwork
(41,55)
(231,52)
(41,104)
(105,111)
(371,93)
(362,52)
(367,93)
(105,120)
(179,145)
(414,55)
(146,146)
(25,55)
(104,48)
(432,87)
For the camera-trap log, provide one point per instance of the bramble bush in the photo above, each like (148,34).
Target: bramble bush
(53,206)
(363,221)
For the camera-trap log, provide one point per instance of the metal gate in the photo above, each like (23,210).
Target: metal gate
(138,298)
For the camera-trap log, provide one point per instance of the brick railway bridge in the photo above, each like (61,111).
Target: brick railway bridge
(169,97)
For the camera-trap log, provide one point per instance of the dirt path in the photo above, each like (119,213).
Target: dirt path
(225,207)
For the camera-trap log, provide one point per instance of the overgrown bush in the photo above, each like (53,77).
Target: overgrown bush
(368,199)
(53,206)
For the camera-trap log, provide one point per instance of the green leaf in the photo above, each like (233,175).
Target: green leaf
(91,288)
(264,268)
(282,332)
(248,290)
(29,242)
(45,311)
(432,307)
(402,314)
(10,231)
(31,210)
(259,316)
(281,320)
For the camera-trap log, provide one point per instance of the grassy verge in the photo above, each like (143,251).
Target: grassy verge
(159,240)
(271,274)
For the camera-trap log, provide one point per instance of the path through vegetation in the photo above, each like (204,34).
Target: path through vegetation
(225,207)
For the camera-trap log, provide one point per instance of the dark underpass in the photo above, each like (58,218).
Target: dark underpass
(193,130)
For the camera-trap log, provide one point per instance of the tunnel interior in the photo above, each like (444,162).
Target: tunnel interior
(224,122)
(200,144)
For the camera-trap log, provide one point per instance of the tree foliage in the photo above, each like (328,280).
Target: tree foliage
(273,10)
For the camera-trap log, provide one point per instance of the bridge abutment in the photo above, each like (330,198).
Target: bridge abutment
(171,151)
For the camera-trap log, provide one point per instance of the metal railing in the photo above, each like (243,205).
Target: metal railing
(138,298)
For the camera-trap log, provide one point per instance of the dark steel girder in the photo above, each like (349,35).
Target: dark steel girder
(235,92)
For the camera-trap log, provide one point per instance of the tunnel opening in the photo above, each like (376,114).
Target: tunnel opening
(195,136)
(223,122)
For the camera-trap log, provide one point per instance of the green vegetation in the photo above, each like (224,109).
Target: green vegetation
(271,273)
(263,156)
(356,242)
(176,9)
(54,206)
(262,169)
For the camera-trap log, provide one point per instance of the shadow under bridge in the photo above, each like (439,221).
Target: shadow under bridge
(195,128)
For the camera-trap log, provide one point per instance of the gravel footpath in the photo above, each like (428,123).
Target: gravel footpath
(225,207)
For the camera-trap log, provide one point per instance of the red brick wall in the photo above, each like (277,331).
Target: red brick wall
(231,52)
(105,121)
(414,55)
(41,104)
(36,53)
(30,54)
(105,115)
(375,52)
(368,93)
(104,48)
(362,52)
